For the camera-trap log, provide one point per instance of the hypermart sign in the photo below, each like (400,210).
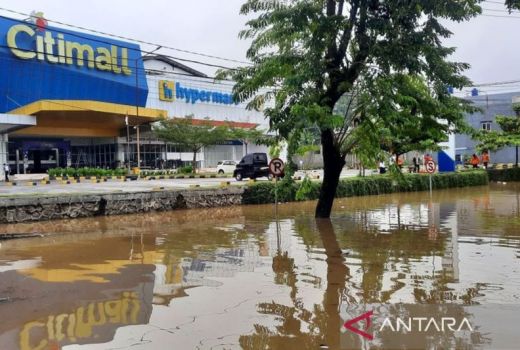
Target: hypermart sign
(41,62)
(170,91)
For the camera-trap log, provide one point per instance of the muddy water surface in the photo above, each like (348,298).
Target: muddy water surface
(243,278)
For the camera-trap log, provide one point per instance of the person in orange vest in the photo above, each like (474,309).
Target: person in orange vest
(400,162)
(427,158)
(485,159)
(475,161)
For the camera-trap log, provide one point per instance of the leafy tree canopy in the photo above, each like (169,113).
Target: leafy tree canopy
(407,117)
(306,54)
(509,135)
(195,134)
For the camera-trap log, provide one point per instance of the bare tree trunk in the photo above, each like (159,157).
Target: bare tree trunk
(194,162)
(333,163)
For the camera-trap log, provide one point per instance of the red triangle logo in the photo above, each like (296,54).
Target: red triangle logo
(366,316)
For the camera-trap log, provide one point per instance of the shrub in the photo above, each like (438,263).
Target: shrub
(85,171)
(186,169)
(307,190)
(263,192)
(286,189)
(260,193)
(512,174)
(120,172)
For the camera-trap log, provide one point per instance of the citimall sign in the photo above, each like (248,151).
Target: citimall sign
(54,48)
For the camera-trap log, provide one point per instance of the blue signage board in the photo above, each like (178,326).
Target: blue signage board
(446,163)
(41,62)
(170,91)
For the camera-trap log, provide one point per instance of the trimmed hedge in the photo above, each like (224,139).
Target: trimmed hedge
(511,174)
(77,172)
(263,192)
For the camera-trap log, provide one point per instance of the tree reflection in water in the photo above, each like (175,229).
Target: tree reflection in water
(373,255)
(324,321)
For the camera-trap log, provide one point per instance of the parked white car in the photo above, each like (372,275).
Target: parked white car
(226,167)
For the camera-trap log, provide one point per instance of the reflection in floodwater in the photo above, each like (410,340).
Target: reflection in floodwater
(239,277)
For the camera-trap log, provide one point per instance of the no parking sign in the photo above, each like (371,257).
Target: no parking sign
(430,167)
(276,167)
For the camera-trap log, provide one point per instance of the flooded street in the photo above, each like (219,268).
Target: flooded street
(241,278)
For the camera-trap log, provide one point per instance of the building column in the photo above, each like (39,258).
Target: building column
(4,152)
(120,153)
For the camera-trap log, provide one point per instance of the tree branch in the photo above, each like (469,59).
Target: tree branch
(331,8)
(364,42)
(347,33)
(341,3)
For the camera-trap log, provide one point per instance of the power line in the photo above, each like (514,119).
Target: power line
(507,82)
(129,39)
(79,35)
(500,16)
(494,2)
(498,10)
(153,72)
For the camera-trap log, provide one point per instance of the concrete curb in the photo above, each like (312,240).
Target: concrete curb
(27,209)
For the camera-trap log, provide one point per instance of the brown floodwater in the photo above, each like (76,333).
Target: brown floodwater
(243,277)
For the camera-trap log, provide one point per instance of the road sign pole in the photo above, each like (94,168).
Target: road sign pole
(431,191)
(276,168)
(430,168)
(276,195)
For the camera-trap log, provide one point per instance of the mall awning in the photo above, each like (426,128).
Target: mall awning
(231,124)
(84,118)
(13,122)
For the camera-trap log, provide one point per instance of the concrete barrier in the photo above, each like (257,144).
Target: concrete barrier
(26,209)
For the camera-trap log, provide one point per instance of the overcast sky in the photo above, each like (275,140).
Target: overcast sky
(489,44)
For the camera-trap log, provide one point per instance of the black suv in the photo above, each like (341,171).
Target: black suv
(253,165)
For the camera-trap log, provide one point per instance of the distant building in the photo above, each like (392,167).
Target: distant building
(491,106)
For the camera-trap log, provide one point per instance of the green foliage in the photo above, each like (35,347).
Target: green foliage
(286,189)
(307,54)
(513,5)
(263,192)
(260,193)
(407,116)
(54,172)
(86,172)
(509,135)
(307,190)
(274,150)
(192,134)
(507,175)
(185,170)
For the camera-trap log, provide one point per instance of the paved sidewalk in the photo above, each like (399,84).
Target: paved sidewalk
(26,187)
(111,186)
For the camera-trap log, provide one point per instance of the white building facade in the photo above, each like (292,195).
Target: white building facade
(182,91)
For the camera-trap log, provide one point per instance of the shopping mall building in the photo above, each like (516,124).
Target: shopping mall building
(67,97)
